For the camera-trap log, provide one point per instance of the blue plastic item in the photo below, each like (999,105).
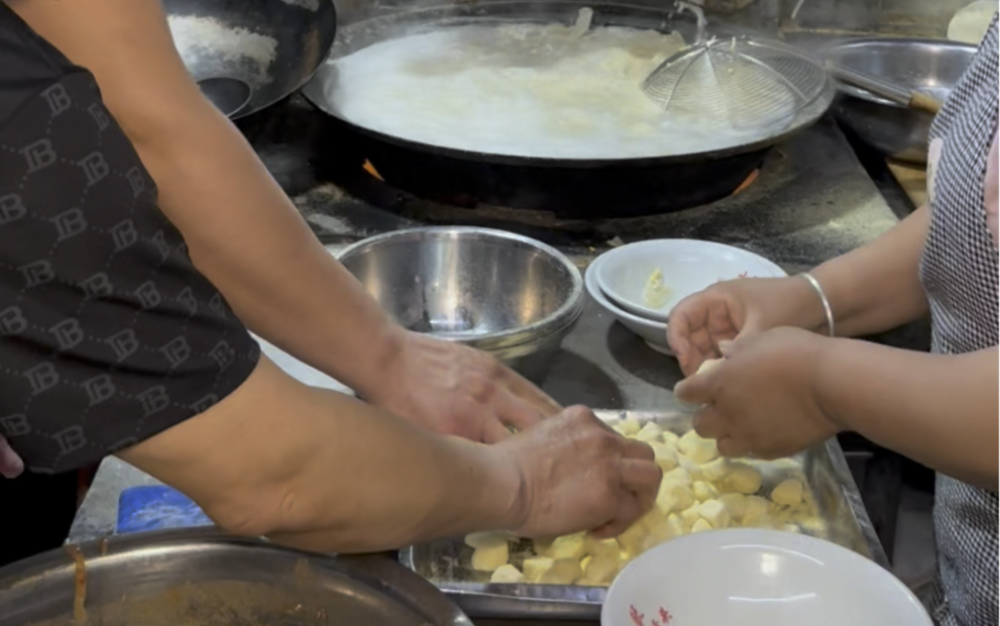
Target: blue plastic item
(156,508)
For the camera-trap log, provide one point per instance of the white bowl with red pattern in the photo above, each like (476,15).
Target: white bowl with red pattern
(748,577)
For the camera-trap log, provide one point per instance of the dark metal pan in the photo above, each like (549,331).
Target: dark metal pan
(570,188)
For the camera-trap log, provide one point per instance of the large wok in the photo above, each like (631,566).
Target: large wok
(571,188)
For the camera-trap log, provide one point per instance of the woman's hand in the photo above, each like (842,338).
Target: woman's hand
(762,398)
(452,389)
(11,465)
(738,309)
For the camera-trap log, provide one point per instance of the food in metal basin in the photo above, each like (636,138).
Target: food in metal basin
(700,492)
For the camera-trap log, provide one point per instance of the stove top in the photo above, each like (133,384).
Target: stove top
(810,200)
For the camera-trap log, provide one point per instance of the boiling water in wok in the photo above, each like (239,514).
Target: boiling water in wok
(531,90)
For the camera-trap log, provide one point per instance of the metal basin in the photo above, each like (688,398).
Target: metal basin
(502,293)
(931,66)
(271,46)
(202,578)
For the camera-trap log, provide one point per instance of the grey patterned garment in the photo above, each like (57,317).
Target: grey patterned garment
(959,271)
(108,334)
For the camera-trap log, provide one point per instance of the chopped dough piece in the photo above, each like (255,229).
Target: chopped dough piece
(696,448)
(678,475)
(791,528)
(691,515)
(673,497)
(715,470)
(708,365)
(507,574)
(631,540)
(489,558)
(628,427)
(485,539)
(715,513)
(755,513)
(701,526)
(736,504)
(535,567)
(787,493)
(562,572)
(601,570)
(744,479)
(602,547)
(568,547)
(666,456)
(704,491)
(650,432)
(670,438)
(676,525)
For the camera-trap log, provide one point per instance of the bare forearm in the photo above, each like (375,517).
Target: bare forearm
(242,231)
(877,287)
(244,235)
(940,410)
(317,470)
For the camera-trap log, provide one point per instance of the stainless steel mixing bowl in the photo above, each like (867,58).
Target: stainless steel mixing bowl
(271,46)
(502,293)
(931,66)
(200,577)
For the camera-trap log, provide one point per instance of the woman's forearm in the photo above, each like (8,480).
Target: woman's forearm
(940,410)
(877,287)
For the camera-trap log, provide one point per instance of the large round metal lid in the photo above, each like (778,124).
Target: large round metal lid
(201,578)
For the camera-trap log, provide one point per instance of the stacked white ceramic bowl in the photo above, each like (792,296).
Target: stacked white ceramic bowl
(618,279)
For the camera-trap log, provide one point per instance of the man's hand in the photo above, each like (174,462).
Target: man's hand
(452,389)
(762,398)
(11,465)
(579,474)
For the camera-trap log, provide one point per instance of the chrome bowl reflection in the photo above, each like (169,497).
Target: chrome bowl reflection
(926,65)
(499,292)
(271,46)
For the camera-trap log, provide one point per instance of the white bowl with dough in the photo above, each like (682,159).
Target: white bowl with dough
(757,578)
(681,266)
(652,332)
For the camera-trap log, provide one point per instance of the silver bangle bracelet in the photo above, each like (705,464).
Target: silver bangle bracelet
(822,296)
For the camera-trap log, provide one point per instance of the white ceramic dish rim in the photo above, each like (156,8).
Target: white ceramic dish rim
(641,311)
(590,283)
(760,537)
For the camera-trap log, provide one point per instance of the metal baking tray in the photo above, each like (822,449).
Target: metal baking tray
(446,563)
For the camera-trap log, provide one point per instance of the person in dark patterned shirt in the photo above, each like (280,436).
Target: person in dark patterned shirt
(140,239)
(784,387)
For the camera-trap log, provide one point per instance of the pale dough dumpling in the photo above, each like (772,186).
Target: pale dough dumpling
(744,479)
(787,493)
(489,558)
(698,449)
(507,574)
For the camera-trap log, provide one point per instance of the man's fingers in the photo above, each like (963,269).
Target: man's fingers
(641,478)
(694,389)
(11,465)
(494,431)
(709,424)
(635,449)
(515,411)
(732,447)
(531,394)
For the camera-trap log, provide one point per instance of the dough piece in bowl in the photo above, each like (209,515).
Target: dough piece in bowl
(969,25)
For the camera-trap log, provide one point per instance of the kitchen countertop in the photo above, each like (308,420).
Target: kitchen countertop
(602,364)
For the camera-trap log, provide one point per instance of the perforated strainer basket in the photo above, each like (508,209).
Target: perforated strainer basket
(745,83)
